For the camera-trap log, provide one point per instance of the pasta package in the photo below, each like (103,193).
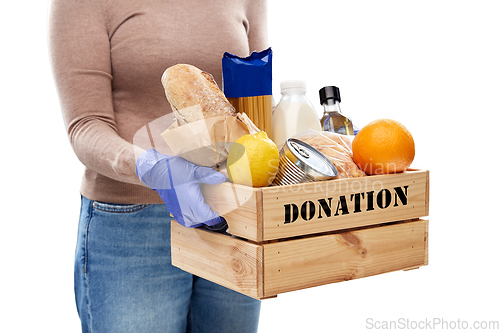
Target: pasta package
(337,148)
(247,84)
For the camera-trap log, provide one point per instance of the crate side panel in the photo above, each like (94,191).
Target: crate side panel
(426,254)
(314,261)
(342,204)
(222,259)
(238,205)
(427,193)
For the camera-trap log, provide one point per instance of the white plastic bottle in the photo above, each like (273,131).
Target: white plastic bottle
(294,113)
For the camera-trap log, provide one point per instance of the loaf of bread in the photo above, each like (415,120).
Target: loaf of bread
(194,94)
(338,149)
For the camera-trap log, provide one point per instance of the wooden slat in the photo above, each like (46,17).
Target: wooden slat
(275,199)
(258,214)
(427,192)
(314,261)
(239,206)
(426,252)
(225,260)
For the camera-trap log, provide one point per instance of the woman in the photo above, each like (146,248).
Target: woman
(107,58)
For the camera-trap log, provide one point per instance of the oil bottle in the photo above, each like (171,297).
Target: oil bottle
(333,119)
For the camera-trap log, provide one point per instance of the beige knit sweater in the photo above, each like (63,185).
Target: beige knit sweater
(108,57)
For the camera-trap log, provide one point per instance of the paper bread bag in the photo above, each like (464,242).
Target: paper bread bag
(207,142)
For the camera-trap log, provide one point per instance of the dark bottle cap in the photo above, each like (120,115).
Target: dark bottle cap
(329,92)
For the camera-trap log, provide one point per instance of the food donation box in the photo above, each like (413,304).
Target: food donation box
(290,237)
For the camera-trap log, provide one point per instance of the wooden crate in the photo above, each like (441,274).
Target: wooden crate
(340,230)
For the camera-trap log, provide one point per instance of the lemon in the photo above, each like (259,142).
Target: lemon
(253,160)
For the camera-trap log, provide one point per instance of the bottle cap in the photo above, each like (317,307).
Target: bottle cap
(293,85)
(330,92)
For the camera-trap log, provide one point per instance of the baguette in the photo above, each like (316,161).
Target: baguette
(194,95)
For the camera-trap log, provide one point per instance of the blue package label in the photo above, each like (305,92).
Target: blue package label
(246,77)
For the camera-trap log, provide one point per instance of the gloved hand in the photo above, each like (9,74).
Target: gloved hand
(177,181)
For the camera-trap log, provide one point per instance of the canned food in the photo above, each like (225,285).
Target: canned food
(302,163)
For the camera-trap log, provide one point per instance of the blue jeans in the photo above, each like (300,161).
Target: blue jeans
(125,282)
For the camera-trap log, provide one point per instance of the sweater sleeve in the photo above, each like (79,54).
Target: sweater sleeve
(80,58)
(257,25)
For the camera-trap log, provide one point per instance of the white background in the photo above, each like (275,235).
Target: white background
(432,65)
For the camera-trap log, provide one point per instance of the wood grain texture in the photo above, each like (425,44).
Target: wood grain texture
(314,261)
(268,269)
(258,214)
(367,213)
(239,205)
(225,260)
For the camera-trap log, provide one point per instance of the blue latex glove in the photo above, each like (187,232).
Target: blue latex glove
(177,181)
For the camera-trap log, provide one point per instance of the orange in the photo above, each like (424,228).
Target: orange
(253,160)
(383,146)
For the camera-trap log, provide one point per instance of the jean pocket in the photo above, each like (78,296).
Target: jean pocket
(118,208)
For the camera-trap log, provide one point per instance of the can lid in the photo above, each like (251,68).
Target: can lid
(330,92)
(309,159)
